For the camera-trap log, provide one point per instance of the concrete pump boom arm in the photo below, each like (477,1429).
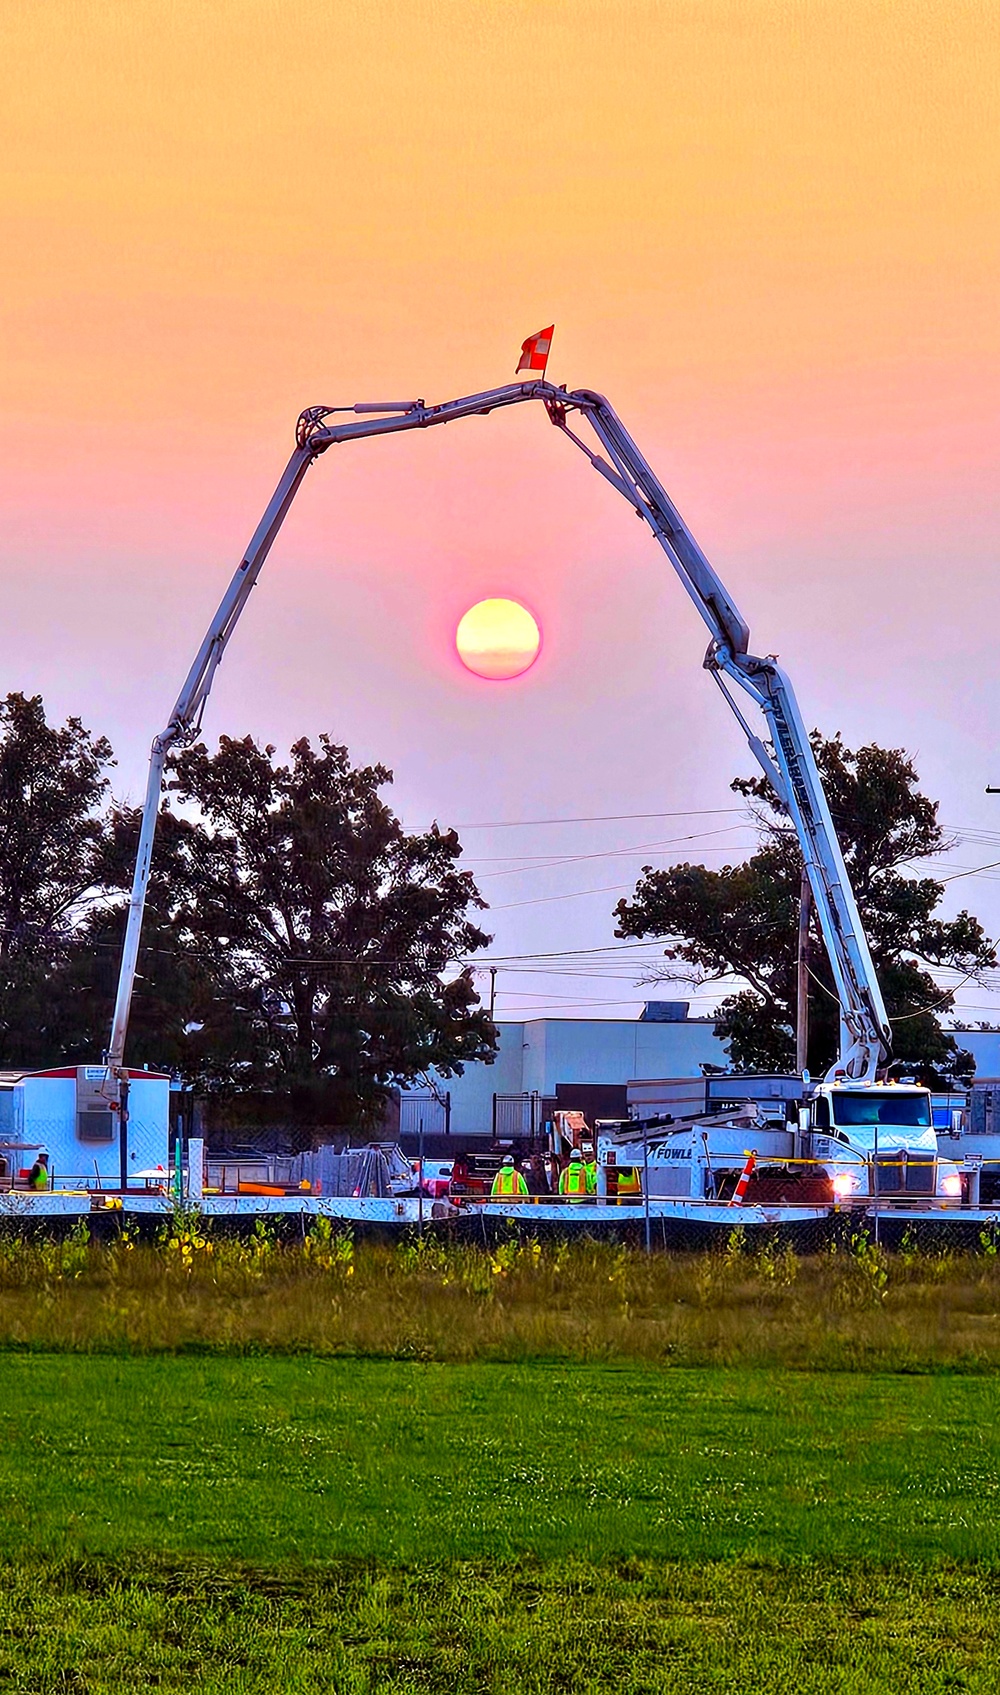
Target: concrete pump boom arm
(865,1032)
(793,773)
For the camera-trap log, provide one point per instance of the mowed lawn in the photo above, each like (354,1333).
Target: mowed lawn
(284,1524)
(295,1460)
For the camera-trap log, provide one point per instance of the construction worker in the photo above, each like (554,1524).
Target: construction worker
(573,1181)
(536,1177)
(508,1184)
(590,1161)
(629,1184)
(38,1176)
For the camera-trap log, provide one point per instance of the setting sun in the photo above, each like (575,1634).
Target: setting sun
(498,639)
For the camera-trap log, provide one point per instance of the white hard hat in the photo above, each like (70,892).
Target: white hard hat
(576,1154)
(508,1159)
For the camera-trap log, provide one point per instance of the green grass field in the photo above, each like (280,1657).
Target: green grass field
(319,1460)
(249,1465)
(306,1524)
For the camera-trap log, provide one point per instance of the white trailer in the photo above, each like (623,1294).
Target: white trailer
(65,1111)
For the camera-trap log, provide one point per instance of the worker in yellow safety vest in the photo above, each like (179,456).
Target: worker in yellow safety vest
(590,1162)
(574,1182)
(38,1176)
(508,1184)
(629,1183)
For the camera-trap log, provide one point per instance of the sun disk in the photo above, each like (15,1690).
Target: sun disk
(498,639)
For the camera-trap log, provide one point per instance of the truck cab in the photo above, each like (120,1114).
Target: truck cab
(880,1141)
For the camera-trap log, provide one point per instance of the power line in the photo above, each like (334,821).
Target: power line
(598,818)
(975,871)
(542,862)
(557,953)
(576,894)
(566,1005)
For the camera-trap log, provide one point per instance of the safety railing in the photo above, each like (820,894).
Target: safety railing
(852,1183)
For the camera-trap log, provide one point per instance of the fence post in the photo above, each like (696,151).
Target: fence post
(196,1168)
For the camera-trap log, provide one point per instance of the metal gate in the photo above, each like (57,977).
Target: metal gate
(432,1113)
(517,1116)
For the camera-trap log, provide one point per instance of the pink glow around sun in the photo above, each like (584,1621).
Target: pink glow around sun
(498,639)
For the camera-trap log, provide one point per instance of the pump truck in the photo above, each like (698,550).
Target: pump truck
(850,1112)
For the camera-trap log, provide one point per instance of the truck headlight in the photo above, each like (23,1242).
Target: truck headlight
(951,1183)
(846,1183)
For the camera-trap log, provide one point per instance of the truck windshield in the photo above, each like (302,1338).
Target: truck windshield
(907,1111)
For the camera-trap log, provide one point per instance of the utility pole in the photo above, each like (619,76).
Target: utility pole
(493,991)
(802,975)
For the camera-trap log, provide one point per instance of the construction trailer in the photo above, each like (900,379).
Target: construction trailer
(67,1112)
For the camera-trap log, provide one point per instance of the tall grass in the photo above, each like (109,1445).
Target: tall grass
(853,1308)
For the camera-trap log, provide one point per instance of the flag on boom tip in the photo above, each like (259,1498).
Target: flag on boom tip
(535,351)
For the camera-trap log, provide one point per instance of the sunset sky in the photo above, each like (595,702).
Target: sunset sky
(769,232)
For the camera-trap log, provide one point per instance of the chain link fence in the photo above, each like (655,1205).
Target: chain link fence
(845,1231)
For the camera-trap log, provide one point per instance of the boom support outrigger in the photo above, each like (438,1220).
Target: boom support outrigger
(792,773)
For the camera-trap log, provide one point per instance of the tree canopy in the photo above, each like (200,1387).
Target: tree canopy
(298,941)
(53,842)
(740,923)
(342,937)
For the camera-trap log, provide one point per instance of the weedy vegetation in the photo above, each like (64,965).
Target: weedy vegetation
(852,1307)
(626,1627)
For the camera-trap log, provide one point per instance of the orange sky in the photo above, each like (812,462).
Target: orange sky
(768,231)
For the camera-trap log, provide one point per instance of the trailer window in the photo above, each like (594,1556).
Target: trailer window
(906,1111)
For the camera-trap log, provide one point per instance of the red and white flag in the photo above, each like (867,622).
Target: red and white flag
(535,351)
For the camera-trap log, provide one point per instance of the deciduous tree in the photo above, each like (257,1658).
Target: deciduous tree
(53,841)
(342,939)
(740,923)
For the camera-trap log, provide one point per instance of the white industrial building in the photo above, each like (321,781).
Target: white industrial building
(984,1046)
(584,1063)
(588,1064)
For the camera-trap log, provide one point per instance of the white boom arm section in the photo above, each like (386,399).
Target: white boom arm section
(865,1034)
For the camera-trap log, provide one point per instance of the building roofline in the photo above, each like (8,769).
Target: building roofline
(629,1023)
